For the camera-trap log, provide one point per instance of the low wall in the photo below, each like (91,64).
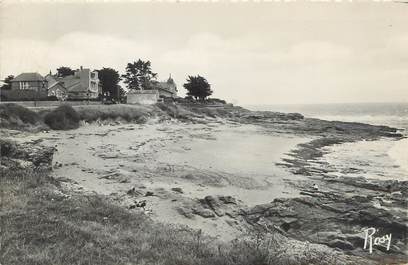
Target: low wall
(30,104)
(145,97)
(22,95)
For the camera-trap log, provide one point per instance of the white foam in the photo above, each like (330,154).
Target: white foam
(399,152)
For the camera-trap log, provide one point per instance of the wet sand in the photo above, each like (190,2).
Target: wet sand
(178,163)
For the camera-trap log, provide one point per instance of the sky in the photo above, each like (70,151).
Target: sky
(251,53)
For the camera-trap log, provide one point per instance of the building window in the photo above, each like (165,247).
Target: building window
(24,85)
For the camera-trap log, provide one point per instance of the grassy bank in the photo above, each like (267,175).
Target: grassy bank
(43,223)
(13,116)
(65,117)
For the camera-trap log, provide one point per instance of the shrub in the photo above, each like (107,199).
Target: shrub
(15,116)
(138,114)
(62,118)
(7,148)
(216,101)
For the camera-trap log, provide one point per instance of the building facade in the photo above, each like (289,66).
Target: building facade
(158,91)
(166,89)
(29,81)
(56,88)
(26,86)
(83,84)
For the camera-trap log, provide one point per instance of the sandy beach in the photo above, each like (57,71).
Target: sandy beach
(196,160)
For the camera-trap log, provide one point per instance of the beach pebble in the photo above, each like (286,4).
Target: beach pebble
(149,193)
(177,189)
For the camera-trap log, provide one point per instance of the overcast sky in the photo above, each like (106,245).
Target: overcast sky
(251,53)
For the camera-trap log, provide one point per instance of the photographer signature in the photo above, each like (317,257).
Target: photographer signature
(371,240)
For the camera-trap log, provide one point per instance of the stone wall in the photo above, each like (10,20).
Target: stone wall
(145,97)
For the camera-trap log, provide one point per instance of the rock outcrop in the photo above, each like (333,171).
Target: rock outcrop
(337,220)
(30,154)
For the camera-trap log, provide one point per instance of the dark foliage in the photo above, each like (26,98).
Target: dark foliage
(13,113)
(198,87)
(64,71)
(110,79)
(7,148)
(62,118)
(7,82)
(138,75)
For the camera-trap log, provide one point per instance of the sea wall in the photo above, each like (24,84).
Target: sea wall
(145,97)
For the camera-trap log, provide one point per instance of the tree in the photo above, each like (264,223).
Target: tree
(7,82)
(198,87)
(122,94)
(109,80)
(138,75)
(64,71)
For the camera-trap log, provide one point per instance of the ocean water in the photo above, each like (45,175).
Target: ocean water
(384,159)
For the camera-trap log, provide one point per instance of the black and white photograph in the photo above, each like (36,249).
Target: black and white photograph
(215,132)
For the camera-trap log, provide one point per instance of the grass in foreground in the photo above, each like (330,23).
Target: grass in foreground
(40,224)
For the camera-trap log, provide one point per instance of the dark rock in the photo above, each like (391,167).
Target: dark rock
(258,209)
(43,157)
(203,212)
(294,116)
(188,213)
(307,201)
(341,244)
(361,199)
(288,223)
(177,189)
(141,204)
(338,207)
(211,201)
(133,192)
(214,204)
(227,199)
(232,222)
(232,214)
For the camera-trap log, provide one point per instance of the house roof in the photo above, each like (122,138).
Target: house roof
(57,85)
(28,77)
(73,84)
(76,87)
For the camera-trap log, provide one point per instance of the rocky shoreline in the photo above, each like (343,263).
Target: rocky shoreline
(331,210)
(335,210)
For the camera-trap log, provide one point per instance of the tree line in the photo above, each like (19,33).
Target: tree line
(138,76)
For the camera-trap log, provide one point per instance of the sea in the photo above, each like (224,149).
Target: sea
(381,159)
